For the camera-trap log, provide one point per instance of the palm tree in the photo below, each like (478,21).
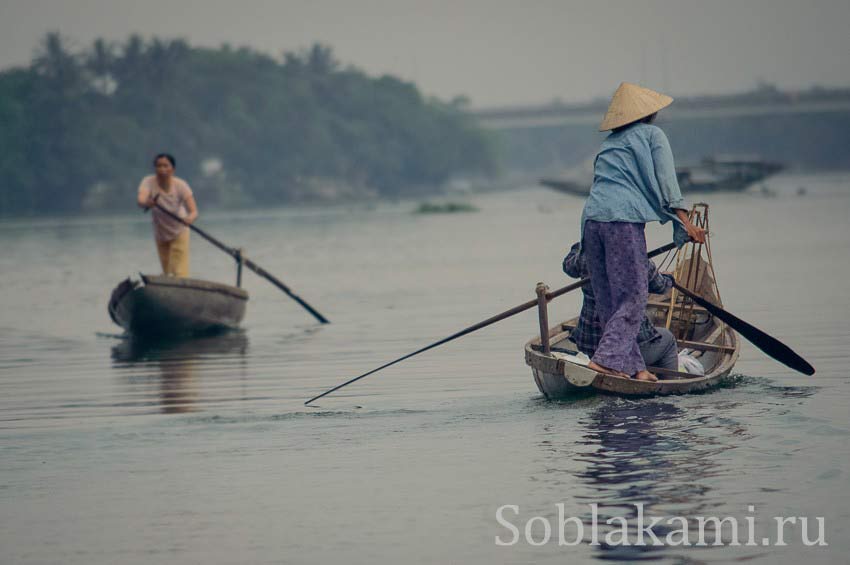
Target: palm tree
(99,63)
(57,64)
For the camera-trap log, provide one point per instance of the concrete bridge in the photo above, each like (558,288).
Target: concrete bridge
(591,114)
(806,130)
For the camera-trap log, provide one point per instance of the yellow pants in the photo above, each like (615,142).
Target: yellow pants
(174,255)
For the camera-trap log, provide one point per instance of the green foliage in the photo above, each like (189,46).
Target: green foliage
(79,128)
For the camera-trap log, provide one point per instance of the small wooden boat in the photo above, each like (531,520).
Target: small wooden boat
(726,173)
(568,186)
(721,173)
(155,305)
(559,371)
(575,181)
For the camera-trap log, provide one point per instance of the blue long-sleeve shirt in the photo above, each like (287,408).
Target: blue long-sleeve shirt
(634,180)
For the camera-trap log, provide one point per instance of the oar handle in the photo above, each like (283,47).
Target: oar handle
(148,208)
(229,250)
(659,250)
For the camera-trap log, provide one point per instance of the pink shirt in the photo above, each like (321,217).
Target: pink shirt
(166,228)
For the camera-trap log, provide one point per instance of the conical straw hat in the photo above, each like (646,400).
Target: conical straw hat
(631,103)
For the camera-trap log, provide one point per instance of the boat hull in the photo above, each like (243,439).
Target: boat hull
(568,186)
(160,305)
(715,345)
(559,378)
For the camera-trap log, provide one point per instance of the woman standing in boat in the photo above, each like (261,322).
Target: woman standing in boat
(634,182)
(173,194)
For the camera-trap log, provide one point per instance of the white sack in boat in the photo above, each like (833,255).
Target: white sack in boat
(690,365)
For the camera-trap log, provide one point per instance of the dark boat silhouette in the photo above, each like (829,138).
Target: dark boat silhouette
(720,173)
(157,305)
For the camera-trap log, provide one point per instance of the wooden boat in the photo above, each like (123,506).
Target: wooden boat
(721,173)
(726,173)
(568,186)
(575,181)
(155,305)
(558,369)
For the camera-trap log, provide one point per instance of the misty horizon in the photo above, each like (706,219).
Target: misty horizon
(494,53)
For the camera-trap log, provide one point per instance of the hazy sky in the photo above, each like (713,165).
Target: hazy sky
(496,52)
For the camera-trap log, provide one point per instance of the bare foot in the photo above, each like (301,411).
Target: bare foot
(645,376)
(600,369)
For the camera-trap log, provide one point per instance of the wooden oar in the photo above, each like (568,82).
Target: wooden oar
(770,345)
(489,321)
(248,263)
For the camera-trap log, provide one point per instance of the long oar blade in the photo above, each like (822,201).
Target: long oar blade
(250,264)
(768,344)
(492,320)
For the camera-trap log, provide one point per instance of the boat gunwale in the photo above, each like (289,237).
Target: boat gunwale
(186,283)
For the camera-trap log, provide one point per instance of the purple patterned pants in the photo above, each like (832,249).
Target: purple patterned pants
(616,258)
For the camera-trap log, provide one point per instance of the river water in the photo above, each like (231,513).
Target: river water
(203,452)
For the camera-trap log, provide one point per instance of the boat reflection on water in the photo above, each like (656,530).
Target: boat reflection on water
(167,373)
(647,454)
(672,455)
(650,452)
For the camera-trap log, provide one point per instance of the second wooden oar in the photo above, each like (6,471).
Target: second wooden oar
(489,321)
(768,344)
(236,254)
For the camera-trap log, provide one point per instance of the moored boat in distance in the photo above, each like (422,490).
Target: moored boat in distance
(560,370)
(567,186)
(720,173)
(155,305)
(575,181)
(726,173)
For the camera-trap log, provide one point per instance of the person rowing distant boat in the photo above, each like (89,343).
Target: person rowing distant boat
(634,183)
(174,194)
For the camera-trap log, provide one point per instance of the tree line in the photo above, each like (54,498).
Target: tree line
(79,127)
